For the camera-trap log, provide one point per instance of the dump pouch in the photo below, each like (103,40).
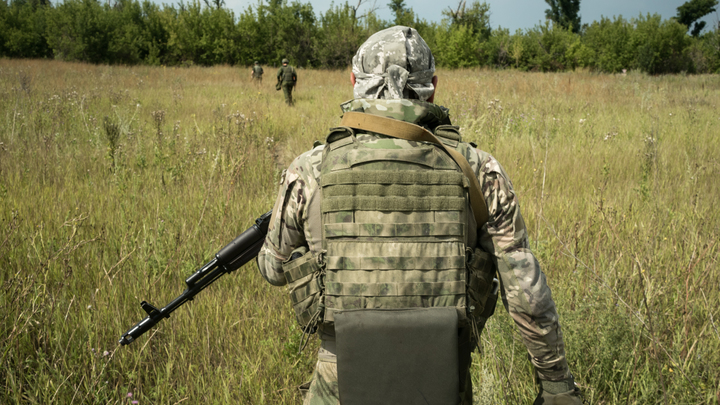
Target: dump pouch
(481,271)
(304,276)
(397,356)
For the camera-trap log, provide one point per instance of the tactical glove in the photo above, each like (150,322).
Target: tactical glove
(563,392)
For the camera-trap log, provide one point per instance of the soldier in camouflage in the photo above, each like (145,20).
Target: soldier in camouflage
(256,73)
(393,76)
(287,78)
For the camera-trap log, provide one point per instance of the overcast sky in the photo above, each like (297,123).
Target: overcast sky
(512,14)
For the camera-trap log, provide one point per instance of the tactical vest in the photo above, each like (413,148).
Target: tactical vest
(395,220)
(288,74)
(397,233)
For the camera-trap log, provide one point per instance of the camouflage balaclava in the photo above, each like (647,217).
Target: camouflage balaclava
(392,64)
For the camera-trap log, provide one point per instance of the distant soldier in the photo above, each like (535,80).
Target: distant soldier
(287,78)
(256,73)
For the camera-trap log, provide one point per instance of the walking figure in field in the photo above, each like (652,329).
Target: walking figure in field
(256,73)
(287,78)
(389,238)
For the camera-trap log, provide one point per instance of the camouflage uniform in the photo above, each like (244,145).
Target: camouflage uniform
(288,77)
(525,292)
(257,72)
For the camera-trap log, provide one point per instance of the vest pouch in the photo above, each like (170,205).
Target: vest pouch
(304,277)
(397,356)
(481,272)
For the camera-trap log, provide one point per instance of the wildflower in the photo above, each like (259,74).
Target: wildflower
(134,402)
(129,394)
(582,121)
(106,353)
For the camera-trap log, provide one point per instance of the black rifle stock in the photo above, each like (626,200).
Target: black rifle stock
(230,258)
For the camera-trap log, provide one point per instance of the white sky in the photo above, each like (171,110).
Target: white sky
(512,14)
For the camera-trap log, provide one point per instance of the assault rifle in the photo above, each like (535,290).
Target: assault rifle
(230,258)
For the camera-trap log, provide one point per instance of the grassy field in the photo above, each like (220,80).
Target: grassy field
(116,183)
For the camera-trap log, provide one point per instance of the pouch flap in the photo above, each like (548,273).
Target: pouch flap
(449,135)
(400,357)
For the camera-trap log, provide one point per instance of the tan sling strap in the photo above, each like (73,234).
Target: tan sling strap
(411,132)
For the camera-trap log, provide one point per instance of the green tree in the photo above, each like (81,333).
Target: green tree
(476,17)
(203,35)
(22,29)
(660,46)
(456,47)
(611,42)
(403,15)
(80,30)
(276,30)
(692,11)
(339,36)
(496,51)
(564,13)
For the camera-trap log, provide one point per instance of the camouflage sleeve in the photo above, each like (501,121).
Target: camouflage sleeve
(285,232)
(525,292)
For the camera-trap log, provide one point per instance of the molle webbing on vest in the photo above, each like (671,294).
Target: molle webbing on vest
(304,282)
(299,294)
(394,228)
(392,204)
(397,190)
(411,132)
(391,263)
(441,195)
(388,177)
(424,155)
(395,289)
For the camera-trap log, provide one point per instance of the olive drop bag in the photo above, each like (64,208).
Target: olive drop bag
(397,356)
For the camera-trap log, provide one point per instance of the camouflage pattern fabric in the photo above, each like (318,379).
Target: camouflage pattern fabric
(287,91)
(525,292)
(257,72)
(393,64)
(324,386)
(287,74)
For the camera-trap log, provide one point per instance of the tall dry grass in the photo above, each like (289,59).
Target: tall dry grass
(117,182)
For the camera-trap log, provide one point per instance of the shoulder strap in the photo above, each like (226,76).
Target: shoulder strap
(411,132)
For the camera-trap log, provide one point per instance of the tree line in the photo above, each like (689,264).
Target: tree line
(141,32)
